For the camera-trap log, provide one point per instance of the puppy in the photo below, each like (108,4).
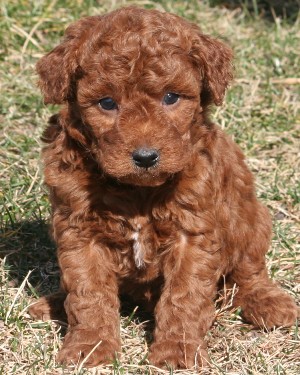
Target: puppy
(149,197)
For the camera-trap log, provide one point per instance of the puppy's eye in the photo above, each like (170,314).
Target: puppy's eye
(170,98)
(108,104)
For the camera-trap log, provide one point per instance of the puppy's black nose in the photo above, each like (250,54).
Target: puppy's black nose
(145,157)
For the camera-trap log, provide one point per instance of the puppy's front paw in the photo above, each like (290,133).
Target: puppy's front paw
(91,355)
(178,355)
(83,346)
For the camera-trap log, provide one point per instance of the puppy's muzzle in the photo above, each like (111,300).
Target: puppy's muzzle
(145,157)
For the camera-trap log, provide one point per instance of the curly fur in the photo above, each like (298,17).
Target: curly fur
(164,235)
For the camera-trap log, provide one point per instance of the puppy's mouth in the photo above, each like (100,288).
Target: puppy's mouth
(146,177)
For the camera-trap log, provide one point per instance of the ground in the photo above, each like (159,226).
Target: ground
(261,112)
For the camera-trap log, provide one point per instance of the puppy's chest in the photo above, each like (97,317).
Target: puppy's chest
(140,235)
(139,246)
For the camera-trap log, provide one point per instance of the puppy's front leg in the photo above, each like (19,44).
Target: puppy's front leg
(185,310)
(92,306)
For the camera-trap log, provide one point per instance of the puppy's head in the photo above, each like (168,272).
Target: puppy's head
(136,82)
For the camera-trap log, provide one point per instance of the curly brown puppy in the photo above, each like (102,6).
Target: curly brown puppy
(149,197)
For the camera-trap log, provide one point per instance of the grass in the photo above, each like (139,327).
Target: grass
(261,112)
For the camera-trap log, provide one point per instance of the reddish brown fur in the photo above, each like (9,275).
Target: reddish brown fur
(164,235)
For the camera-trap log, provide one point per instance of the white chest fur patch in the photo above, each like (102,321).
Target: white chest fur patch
(137,250)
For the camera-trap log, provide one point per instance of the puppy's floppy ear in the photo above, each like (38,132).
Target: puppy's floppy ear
(58,68)
(214,59)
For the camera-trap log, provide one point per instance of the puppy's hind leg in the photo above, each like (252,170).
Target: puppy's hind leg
(49,307)
(263,303)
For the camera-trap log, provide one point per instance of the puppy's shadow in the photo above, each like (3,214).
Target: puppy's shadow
(26,247)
